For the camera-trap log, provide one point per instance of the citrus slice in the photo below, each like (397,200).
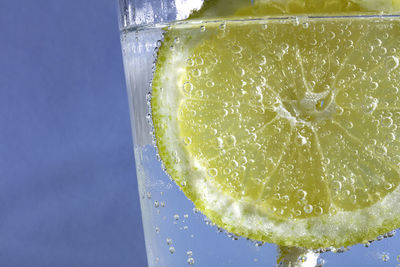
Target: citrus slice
(239,8)
(281,130)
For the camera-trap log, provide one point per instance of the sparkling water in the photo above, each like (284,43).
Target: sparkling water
(176,234)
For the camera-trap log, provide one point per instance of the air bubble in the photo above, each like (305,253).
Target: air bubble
(339,110)
(212,172)
(210,83)
(387,122)
(331,35)
(236,49)
(377,42)
(308,208)
(239,71)
(196,73)
(172,250)
(199,93)
(349,125)
(301,194)
(374,85)
(385,257)
(231,140)
(169,241)
(148,97)
(176,217)
(349,44)
(202,28)
(190,62)
(381,150)
(260,60)
(388,186)
(190,261)
(199,60)
(392,63)
(371,49)
(187,140)
(371,105)
(319,210)
(227,171)
(157,230)
(336,186)
(313,42)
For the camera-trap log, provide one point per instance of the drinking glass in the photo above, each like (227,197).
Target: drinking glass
(176,233)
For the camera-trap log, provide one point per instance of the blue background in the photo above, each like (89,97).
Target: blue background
(68,192)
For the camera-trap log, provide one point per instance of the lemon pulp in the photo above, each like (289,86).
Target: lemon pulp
(284,131)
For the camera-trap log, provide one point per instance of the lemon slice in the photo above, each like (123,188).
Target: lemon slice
(284,131)
(239,8)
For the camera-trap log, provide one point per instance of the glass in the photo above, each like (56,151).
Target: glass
(176,234)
